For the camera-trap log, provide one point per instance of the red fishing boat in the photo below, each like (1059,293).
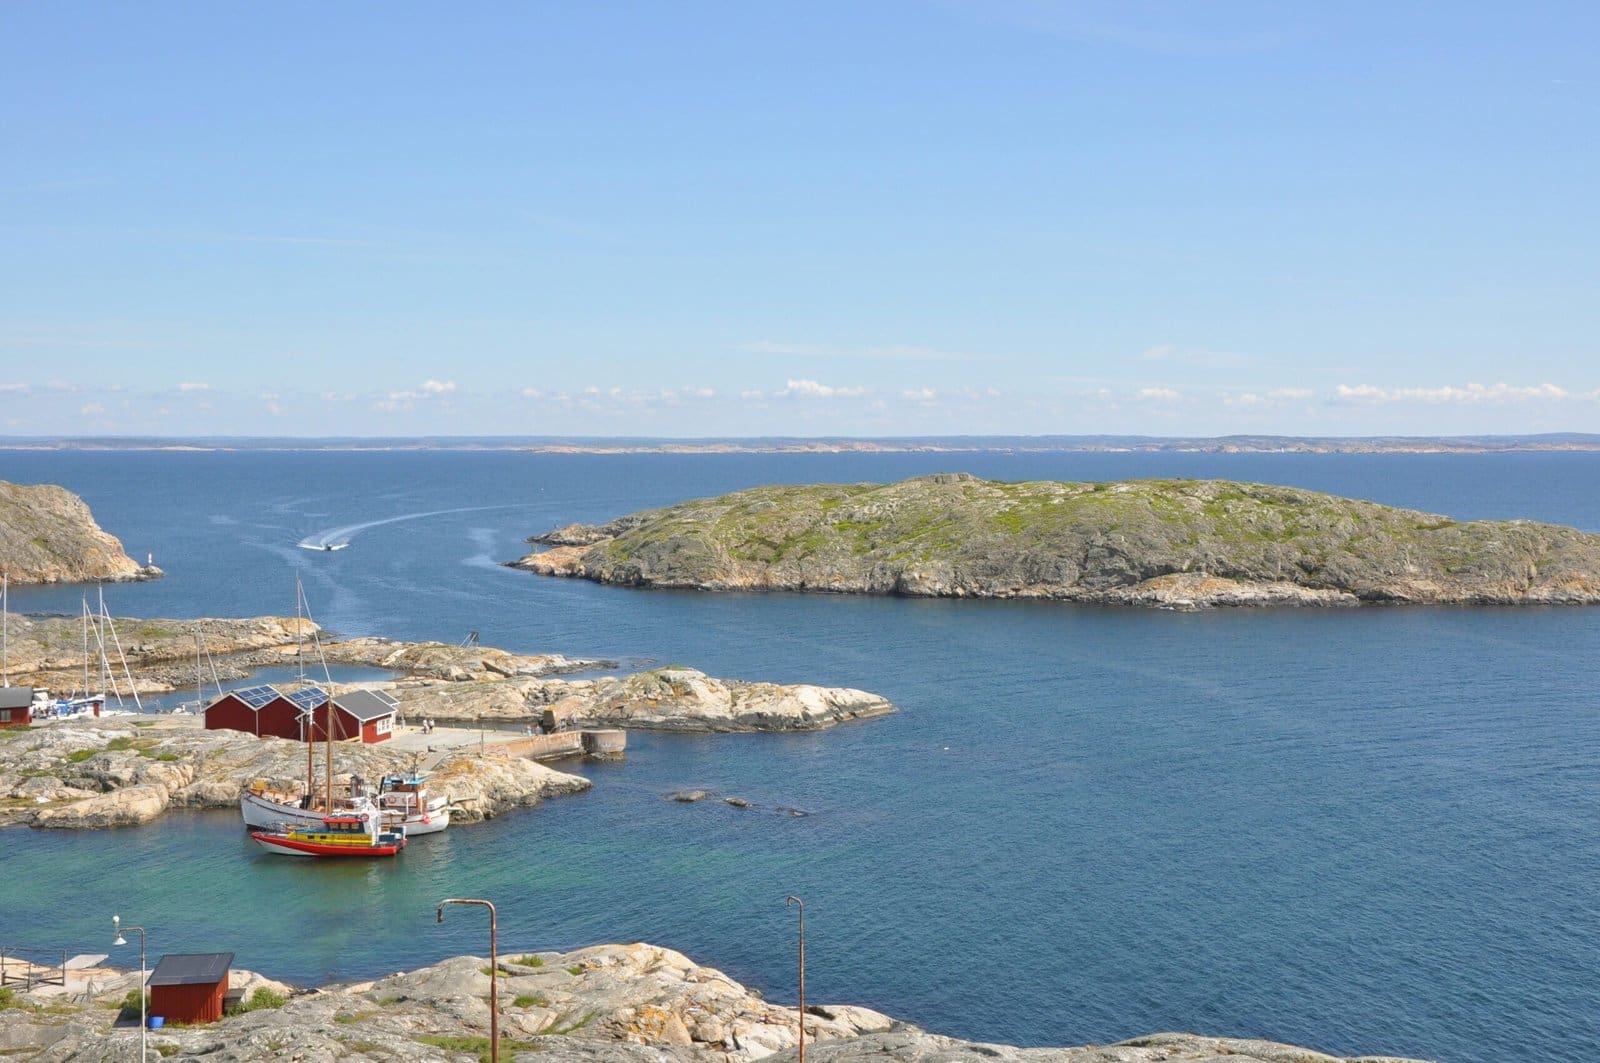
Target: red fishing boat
(348,835)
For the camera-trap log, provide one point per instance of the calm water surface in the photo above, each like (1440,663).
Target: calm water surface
(1361,830)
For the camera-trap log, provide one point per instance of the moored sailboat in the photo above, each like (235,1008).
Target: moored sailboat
(399,803)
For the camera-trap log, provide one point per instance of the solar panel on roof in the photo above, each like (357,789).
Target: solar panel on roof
(255,697)
(309,698)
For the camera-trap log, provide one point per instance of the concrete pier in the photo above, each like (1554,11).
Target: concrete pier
(602,743)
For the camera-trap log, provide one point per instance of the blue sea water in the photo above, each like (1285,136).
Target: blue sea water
(1371,830)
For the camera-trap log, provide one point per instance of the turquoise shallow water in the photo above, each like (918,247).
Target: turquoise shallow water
(1370,830)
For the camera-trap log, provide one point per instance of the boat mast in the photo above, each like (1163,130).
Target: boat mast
(307,730)
(5,629)
(86,691)
(199,676)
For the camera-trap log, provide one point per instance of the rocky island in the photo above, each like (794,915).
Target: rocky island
(1169,543)
(125,770)
(606,1002)
(48,535)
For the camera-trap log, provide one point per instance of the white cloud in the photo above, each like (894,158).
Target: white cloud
(1266,400)
(920,394)
(91,409)
(193,385)
(13,388)
(1449,394)
(532,393)
(1158,395)
(752,394)
(811,389)
(429,390)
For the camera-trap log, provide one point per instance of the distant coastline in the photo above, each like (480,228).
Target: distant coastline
(1104,444)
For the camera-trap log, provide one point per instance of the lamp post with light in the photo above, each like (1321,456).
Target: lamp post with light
(494,969)
(790,902)
(116,924)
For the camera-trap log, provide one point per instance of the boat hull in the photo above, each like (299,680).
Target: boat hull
(295,847)
(261,812)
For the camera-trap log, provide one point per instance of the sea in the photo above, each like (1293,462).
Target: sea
(1370,830)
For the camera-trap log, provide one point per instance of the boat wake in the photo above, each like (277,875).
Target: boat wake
(339,538)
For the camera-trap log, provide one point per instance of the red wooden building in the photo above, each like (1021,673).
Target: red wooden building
(260,710)
(16,706)
(364,715)
(190,987)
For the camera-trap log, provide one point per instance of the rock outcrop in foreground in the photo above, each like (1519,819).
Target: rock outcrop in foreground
(1173,543)
(114,774)
(48,535)
(608,1002)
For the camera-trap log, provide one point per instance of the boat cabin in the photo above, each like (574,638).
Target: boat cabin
(16,706)
(190,987)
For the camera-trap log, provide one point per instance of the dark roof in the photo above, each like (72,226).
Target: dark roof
(16,697)
(366,704)
(191,968)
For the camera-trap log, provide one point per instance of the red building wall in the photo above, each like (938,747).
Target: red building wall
(345,726)
(280,717)
(230,714)
(375,731)
(189,1003)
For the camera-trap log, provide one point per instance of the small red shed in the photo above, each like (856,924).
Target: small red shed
(240,710)
(16,706)
(367,715)
(190,987)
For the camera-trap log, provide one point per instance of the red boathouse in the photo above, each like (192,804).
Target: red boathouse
(16,706)
(190,987)
(364,715)
(260,710)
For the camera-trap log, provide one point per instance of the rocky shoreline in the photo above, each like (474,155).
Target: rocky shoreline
(662,699)
(125,771)
(1180,544)
(48,535)
(606,1002)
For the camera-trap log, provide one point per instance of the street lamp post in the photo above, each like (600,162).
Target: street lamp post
(494,969)
(790,902)
(144,1022)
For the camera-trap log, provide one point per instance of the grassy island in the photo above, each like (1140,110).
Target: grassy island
(1180,543)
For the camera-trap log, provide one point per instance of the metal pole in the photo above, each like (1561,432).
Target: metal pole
(144,1019)
(494,970)
(790,902)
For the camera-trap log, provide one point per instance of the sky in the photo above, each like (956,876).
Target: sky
(880,218)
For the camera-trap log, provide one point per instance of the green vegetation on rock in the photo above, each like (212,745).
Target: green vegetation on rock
(1156,542)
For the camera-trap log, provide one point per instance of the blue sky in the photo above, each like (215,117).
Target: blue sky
(865,218)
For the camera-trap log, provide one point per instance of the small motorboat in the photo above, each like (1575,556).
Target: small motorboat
(336,836)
